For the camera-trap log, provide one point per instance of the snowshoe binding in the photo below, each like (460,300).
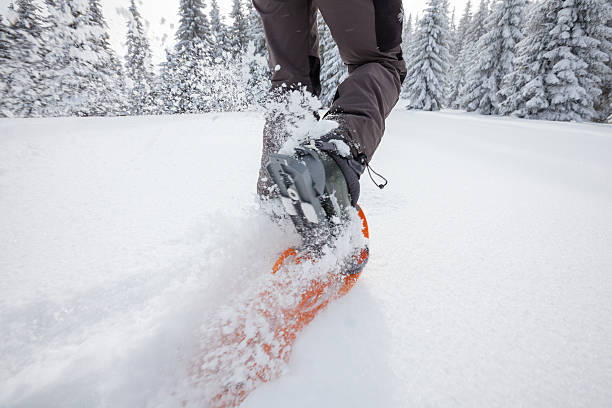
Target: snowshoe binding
(313,192)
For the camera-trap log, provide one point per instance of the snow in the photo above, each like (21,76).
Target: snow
(488,282)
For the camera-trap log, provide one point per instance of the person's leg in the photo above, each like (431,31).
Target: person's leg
(290,27)
(368,34)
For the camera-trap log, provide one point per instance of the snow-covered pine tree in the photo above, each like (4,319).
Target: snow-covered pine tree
(526,65)
(333,70)
(469,54)
(165,87)
(139,66)
(255,31)
(238,32)
(56,61)
(464,25)
(495,53)
(407,42)
(551,79)
(407,36)
(184,86)
(606,102)
(457,75)
(86,76)
(110,98)
(452,32)
(476,27)
(607,88)
(81,60)
(219,35)
(7,39)
(596,16)
(426,80)
(24,69)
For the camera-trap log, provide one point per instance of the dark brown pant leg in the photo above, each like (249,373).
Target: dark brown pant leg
(290,27)
(368,34)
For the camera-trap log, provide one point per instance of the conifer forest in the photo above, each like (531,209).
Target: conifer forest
(541,59)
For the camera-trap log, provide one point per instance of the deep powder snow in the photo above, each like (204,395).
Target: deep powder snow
(489,281)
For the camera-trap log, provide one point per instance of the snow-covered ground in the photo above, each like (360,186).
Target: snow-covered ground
(489,282)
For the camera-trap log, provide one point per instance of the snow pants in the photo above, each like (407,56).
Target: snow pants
(368,34)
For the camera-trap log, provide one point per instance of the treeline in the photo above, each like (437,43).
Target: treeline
(549,59)
(56,60)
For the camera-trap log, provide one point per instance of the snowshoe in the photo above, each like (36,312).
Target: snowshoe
(313,192)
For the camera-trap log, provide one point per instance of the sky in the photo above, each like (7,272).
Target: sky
(161,19)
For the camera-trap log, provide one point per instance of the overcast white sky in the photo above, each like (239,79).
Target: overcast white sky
(161,17)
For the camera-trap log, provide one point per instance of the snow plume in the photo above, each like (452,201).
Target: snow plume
(176,347)
(224,83)
(237,83)
(249,340)
(167,302)
(291,119)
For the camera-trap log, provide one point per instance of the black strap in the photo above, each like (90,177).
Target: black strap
(370,171)
(363,159)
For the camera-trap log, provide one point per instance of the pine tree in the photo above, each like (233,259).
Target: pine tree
(81,58)
(468,56)
(496,50)
(255,33)
(7,39)
(596,16)
(138,65)
(607,88)
(426,80)
(85,76)
(165,86)
(110,98)
(407,43)
(452,30)
(219,36)
(333,70)
(23,73)
(458,72)
(239,36)
(61,81)
(407,37)
(184,85)
(551,80)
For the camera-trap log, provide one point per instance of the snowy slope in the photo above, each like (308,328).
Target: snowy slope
(489,282)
